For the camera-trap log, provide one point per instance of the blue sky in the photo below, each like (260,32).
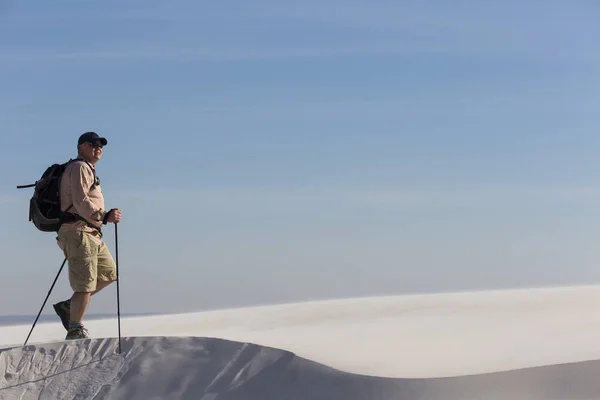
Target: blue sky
(273,151)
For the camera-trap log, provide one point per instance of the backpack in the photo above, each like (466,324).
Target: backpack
(44,205)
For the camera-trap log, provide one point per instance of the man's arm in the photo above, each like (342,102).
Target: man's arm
(82,179)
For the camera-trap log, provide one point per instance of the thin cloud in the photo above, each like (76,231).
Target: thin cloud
(222,54)
(503,28)
(201,54)
(389,29)
(284,199)
(470,19)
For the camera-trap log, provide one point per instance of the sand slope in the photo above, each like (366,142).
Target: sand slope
(214,369)
(520,344)
(420,336)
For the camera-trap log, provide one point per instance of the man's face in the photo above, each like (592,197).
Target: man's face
(91,151)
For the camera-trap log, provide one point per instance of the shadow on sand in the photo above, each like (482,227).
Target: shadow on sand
(214,369)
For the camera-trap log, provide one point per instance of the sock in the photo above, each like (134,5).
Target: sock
(74,324)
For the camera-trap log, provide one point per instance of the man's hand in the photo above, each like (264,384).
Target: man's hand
(114,215)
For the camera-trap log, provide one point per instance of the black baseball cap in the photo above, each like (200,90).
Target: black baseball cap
(92,137)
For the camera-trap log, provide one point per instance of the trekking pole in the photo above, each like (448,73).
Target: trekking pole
(49,291)
(118,278)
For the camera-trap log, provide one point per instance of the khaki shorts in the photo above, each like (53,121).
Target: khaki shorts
(89,259)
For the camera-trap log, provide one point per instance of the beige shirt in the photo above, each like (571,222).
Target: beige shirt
(75,190)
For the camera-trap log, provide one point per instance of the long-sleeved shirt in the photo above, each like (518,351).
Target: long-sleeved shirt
(75,190)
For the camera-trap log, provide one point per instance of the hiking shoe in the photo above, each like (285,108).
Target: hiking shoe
(63,310)
(77,333)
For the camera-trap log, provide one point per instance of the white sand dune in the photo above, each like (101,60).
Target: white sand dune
(521,344)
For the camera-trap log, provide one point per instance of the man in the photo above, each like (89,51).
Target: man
(91,265)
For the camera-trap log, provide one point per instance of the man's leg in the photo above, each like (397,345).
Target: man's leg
(62,308)
(81,300)
(102,270)
(100,285)
(101,267)
(107,269)
(79,304)
(83,265)
(74,308)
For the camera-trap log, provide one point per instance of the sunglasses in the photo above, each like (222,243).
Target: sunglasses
(95,144)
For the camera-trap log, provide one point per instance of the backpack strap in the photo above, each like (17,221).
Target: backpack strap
(96,180)
(68,217)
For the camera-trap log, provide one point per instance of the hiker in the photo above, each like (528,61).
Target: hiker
(91,265)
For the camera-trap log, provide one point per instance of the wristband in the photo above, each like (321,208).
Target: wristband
(105,219)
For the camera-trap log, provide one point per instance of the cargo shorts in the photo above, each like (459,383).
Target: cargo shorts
(89,259)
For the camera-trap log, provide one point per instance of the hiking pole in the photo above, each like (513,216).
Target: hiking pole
(118,278)
(49,291)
